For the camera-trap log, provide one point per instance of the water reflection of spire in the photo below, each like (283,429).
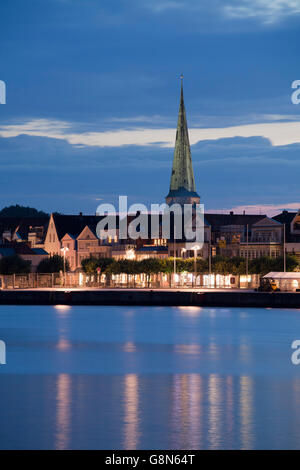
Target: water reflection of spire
(246,412)
(63,412)
(131,403)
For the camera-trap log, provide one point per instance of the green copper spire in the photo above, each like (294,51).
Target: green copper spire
(182,179)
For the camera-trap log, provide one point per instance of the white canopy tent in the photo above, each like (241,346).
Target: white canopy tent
(289,282)
(281,275)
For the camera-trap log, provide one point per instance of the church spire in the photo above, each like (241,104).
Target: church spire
(182,185)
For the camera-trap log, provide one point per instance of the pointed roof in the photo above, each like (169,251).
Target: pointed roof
(87,234)
(266,222)
(182,178)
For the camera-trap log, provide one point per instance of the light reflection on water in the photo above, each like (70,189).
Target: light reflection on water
(131,405)
(246,412)
(143,378)
(203,413)
(63,415)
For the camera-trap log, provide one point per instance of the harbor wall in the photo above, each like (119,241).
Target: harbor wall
(151,297)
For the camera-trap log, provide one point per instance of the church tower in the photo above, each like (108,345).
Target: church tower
(182,185)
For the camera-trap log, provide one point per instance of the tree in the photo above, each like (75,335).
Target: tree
(21,211)
(291,263)
(265,264)
(14,265)
(90,265)
(53,264)
(150,266)
(224,265)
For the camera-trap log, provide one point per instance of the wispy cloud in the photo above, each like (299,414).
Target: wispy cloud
(267,11)
(268,209)
(264,11)
(278,133)
(155,119)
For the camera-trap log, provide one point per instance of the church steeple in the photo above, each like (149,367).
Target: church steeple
(182,185)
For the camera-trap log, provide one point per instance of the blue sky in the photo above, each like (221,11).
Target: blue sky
(93,95)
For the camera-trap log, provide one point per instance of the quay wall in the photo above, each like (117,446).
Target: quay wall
(151,297)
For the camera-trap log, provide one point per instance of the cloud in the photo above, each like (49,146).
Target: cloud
(268,209)
(278,133)
(141,119)
(229,173)
(266,11)
(36,127)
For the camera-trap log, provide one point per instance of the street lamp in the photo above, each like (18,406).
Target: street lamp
(195,248)
(64,250)
(130,254)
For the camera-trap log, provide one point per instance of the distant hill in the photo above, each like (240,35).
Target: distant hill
(21,211)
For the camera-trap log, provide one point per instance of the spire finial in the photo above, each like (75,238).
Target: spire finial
(181,85)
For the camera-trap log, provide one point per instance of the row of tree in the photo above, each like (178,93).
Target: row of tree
(220,265)
(54,264)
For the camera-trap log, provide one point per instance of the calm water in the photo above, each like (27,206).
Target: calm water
(142,378)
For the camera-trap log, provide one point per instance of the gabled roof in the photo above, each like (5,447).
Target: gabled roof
(21,248)
(87,234)
(218,220)
(74,224)
(68,236)
(286,217)
(267,222)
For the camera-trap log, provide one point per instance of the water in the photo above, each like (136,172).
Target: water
(149,378)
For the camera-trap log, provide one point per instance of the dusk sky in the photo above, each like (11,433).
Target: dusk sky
(93,94)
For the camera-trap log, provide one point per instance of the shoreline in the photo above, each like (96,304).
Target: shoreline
(151,297)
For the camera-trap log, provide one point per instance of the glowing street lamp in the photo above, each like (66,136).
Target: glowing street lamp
(64,250)
(130,254)
(195,248)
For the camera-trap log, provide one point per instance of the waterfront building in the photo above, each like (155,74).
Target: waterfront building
(24,229)
(24,251)
(291,222)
